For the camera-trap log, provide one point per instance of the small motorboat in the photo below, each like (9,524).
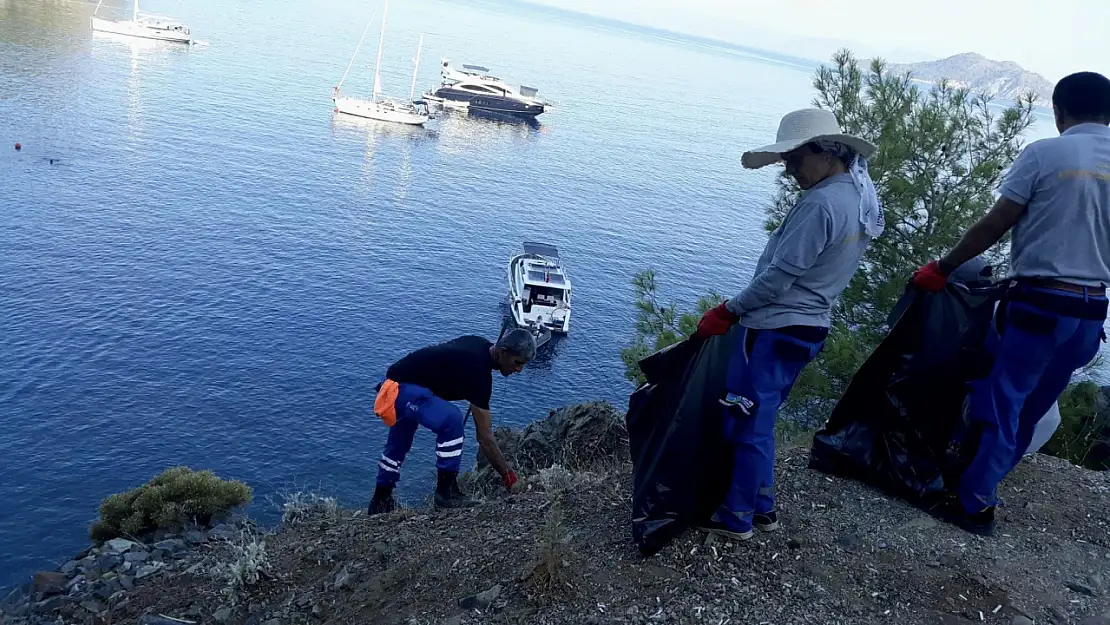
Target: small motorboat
(539,291)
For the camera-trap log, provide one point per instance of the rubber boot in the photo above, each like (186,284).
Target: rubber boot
(383,501)
(448,494)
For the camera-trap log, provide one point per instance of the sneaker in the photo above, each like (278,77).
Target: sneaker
(448,494)
(952,511)
(718,527)
(767,522)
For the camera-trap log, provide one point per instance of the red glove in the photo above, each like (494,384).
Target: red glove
(930,278)
(716,321)
(509,479)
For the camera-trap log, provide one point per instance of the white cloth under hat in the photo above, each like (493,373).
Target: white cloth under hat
(821,127)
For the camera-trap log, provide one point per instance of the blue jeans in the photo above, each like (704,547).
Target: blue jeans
(417,406)
(1036,351)
(761,370)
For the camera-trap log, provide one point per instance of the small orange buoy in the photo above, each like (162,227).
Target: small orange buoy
(18,146)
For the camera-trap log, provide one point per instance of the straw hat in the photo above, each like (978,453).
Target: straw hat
(799,128)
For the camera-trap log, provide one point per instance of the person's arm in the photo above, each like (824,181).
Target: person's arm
(984,234)
(765,289)
(1016,192)
(803,238)
(483,426)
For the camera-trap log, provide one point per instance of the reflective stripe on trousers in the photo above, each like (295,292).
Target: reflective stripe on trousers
(417,406)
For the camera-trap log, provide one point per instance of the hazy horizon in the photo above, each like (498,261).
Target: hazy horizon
(874,28)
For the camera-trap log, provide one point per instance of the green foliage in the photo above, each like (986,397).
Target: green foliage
(658,325)
(942,153)
(1084,428)
(169,501)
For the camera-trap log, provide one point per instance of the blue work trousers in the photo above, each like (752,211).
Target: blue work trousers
(417,406)
(762,369)
(1036,350)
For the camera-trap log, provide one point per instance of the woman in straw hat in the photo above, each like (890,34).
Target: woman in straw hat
(784,312)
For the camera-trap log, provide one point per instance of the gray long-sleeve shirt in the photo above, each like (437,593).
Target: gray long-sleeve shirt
(808,261)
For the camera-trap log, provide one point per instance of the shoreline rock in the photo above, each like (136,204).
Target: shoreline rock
(95,584)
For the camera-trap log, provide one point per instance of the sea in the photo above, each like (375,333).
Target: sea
(201,264)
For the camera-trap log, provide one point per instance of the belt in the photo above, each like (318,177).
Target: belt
(1058,285)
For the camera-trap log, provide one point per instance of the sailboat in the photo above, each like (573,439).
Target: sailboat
(145,26)
(379,107)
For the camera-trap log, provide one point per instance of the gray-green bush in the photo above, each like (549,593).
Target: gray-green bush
(171,500)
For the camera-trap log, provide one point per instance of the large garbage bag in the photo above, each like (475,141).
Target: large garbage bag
(901,424)
(682,466)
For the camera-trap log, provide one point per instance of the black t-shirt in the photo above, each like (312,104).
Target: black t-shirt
(457,370)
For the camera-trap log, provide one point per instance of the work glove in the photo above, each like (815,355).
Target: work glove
(930,278)
(509,479)
(716,321)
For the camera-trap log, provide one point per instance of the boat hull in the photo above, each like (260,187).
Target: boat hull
(370,109)
(133,29)
(458,98)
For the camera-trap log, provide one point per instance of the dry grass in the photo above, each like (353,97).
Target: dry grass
(300,506)
(551,573)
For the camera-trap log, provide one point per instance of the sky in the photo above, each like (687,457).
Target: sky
(1050,37)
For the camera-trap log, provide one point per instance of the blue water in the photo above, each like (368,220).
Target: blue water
(216,269)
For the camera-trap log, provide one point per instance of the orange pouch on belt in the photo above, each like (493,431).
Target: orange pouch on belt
(385,406)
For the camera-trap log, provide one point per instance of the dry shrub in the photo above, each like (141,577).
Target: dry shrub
(584,437)
(171,500)
(551,572)
(300,506)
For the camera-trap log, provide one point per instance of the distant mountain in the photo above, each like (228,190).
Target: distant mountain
(1002,79)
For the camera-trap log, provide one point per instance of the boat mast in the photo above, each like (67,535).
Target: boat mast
(135,12)
(357,48)
(416,66)
(381,43)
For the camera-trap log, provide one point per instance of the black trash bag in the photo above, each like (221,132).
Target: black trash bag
(682,466)
(901,424)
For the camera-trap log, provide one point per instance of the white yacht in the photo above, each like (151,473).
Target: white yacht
(143,25)
(472,88)
(378,106)
(539,290)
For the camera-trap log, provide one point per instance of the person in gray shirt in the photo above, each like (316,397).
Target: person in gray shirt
(1056,201)
(784,312)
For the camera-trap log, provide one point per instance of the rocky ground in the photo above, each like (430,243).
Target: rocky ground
(559,551)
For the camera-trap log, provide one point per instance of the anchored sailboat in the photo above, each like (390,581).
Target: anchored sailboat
(378,106)
(145,26)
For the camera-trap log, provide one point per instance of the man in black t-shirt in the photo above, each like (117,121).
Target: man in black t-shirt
(418,390)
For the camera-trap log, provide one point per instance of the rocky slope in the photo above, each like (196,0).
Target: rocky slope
(1002,79)
(559,551)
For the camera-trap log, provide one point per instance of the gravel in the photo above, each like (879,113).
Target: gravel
(566,557)
(558,551)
